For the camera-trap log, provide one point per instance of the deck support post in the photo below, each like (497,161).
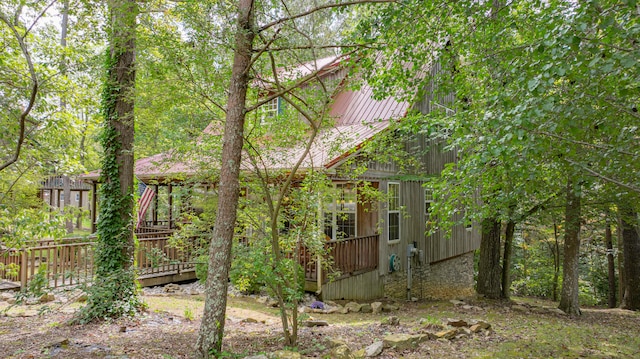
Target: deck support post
(319,274)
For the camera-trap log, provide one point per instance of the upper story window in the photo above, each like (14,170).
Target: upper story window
(393,212)
(270,109)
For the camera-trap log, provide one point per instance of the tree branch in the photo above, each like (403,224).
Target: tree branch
(32,98)
(608,179)
(319,8)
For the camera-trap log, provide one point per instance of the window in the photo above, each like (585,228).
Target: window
(340,212)
(78,197)
(270,110)
(393,212)
(428,202)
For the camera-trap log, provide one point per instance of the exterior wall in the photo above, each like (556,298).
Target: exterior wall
(452,278)
(366,286)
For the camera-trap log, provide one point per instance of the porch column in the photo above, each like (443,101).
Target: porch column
(66,189)
(170,198)
(94,202)
(155,205)
(79,218)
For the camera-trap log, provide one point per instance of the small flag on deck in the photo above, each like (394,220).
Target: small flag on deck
(146,196)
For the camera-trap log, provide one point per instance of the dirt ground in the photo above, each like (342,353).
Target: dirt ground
(521,329)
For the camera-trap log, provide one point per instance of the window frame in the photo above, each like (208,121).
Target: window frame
(393,209)
(332,208)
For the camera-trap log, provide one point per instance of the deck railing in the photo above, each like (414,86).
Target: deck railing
(348,257)
(61,264)
(70,261)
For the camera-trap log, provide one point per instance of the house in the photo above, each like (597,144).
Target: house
(381,248)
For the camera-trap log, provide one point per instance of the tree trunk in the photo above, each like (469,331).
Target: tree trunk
(612,266)
(631,245)
(556,260)
(621,275)
(569,302)
(506,259)
(115,279)
(213,319)
(489,271)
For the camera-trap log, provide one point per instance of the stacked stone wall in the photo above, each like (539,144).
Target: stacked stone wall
(448,279)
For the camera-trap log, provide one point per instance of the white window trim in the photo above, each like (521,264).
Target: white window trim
(398,211)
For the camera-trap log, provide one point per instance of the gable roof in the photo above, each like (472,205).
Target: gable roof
(358,118)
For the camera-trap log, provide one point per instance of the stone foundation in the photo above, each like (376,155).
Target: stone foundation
(451,278)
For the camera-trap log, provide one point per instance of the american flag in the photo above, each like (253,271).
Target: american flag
(146,196)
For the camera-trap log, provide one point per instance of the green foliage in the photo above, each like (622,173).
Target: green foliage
(248,270)
(112,296)
(38,282)
(20,227)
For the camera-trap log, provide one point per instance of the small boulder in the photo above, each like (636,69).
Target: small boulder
(331,303)
(172,288)
(262,300)
(343,310)
(259,356)
(306,309)
(46,298)
(447,334)
(285,354)
(331,310)
(353,307)
(390,308)
(392,320)
(404,341)
(457,323)
(332,342)
(374,349)
(366,308)
(376,307)
(315,323)
(341,352)
(456,302)
(249,320)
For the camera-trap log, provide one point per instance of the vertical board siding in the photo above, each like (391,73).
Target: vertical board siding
(365,286)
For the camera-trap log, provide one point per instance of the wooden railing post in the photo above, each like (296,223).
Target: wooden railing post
(23,269)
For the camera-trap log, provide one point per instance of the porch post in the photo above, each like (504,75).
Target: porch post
(66,189)
(94,202)
(155,205)
(170,194)
(79,219)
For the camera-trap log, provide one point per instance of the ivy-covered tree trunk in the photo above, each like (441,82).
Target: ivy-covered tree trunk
(489,271)
(213,318)
(569,302)
(113,292)
(631,248)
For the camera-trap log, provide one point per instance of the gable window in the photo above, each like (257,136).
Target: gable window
(393,212)
(270,110)
(340,212)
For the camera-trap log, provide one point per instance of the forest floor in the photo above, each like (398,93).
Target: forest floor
(521,328)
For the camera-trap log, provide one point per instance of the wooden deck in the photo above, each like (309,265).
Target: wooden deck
(70,261)
(349,262)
